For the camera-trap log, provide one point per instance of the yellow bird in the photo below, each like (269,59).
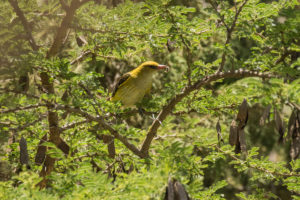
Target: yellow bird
(132,86)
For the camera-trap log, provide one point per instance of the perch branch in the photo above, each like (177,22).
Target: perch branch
(186,91)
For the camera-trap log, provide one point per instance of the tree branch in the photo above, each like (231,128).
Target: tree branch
(65,25)
(106,126)
(20,14)
(22,108)
(186,91)
(53,119)
(229,33)
(74,124)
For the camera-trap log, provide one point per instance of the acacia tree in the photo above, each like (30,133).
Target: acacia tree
(59,63)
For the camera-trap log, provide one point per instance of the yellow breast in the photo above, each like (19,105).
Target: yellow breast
(133,90)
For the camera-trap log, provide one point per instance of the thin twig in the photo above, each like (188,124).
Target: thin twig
(187,47)
(229,30)
(86,53)
(215,7)
(255,166)
(213,109)
(22,108)
(19,92)
(74,124)
(20,128)
(143,35)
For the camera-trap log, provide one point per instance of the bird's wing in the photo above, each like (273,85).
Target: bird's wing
(120,81)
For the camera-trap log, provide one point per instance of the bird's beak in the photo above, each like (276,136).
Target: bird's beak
(165,67)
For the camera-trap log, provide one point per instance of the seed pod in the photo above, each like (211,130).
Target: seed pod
(80,40)
(295,136)
(242,116)
(265,115)
(24,158)
(23,84)
(242,140)
(218,127)
(292,124)
(279,125)
(64,147)
(233,133)
(170,45)
(175,191)
(41,151)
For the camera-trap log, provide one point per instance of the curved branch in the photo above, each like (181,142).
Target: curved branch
(186,91)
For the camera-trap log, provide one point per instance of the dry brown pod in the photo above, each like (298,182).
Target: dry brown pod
(175,191)
(292,124)
(242,140)
(294,133)
(279,125)
(242,116)
(218,128)
(24,158)
(41,151)
(233,135)
(265,115)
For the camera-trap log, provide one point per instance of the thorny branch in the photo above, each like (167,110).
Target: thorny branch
(186,91)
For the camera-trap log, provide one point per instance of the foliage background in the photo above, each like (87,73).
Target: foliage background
(82,58)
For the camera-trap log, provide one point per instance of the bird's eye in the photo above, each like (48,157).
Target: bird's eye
(153,66)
